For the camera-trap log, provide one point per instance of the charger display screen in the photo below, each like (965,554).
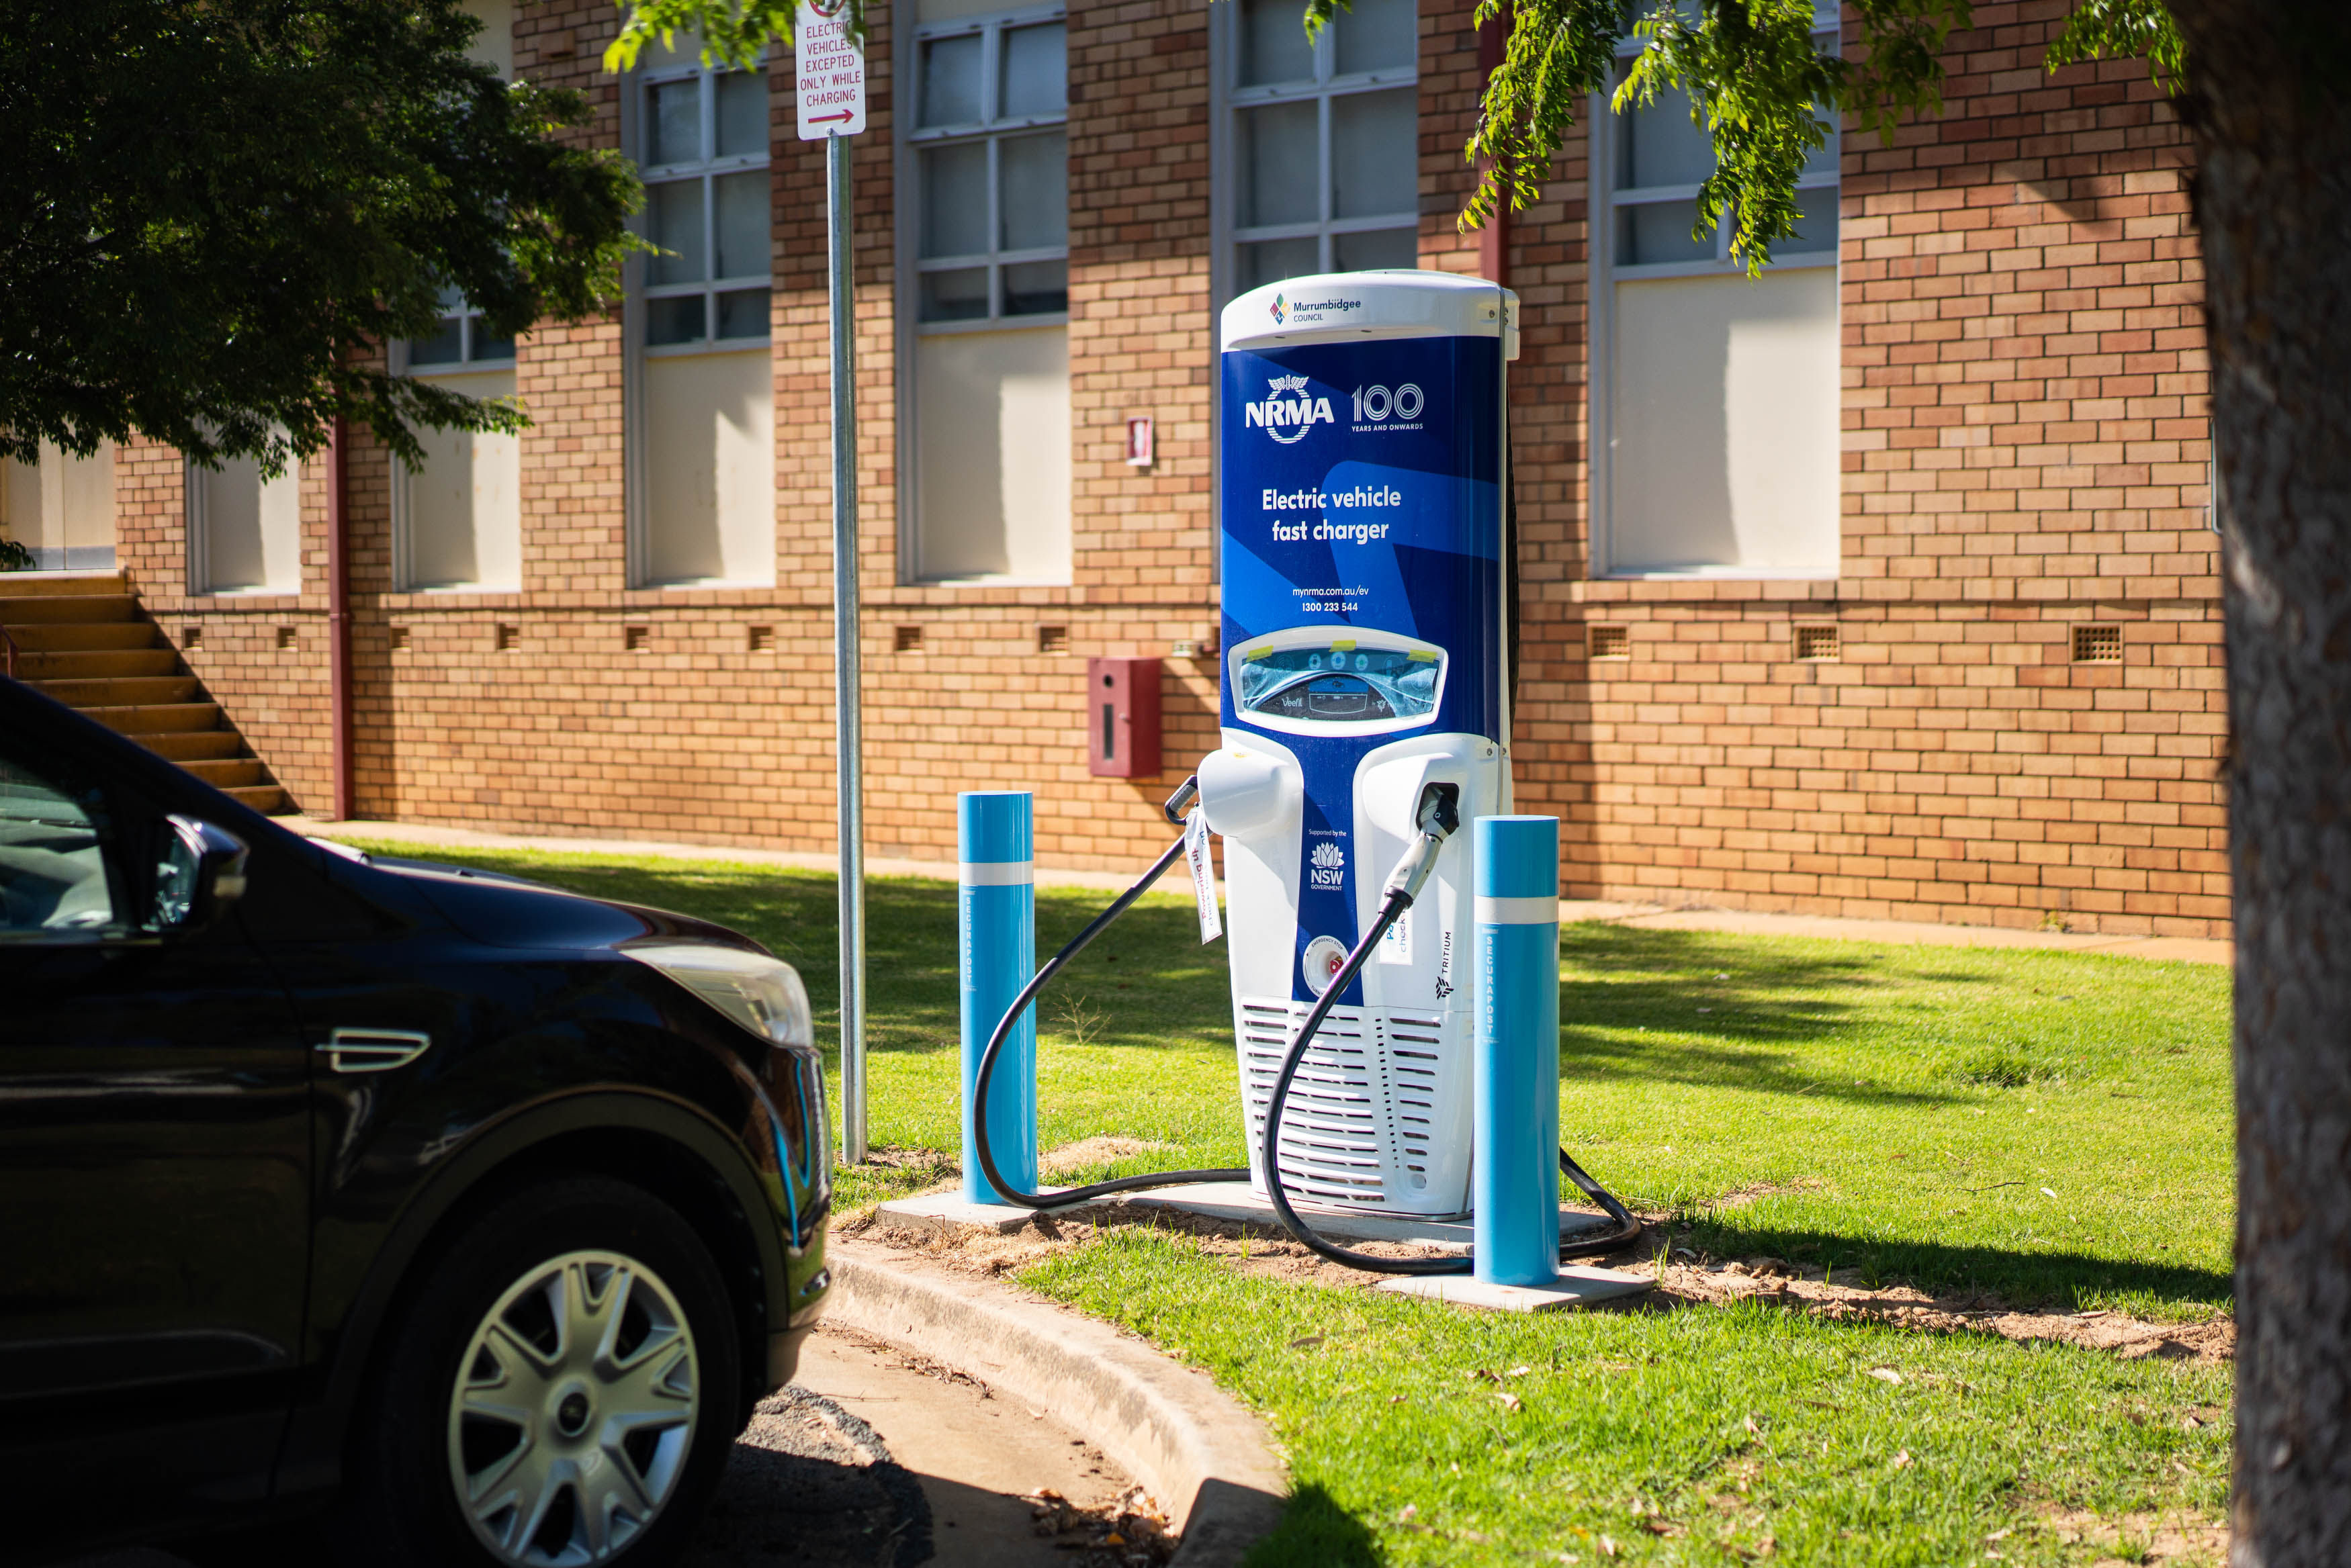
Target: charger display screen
(1340,685)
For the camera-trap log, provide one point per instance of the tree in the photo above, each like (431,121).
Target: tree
(2262,88)
(217,211)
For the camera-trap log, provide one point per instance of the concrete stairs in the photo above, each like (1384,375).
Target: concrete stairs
(81,638)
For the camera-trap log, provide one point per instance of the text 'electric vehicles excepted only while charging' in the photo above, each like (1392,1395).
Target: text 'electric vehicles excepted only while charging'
(1366,717)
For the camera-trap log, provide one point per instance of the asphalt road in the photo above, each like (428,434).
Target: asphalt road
(872,1459)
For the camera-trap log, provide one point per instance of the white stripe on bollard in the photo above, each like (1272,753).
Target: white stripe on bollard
(1504,911)
(1019,874)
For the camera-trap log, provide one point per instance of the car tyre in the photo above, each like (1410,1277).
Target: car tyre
(563,1390)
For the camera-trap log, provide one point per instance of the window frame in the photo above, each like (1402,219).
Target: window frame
(403,350)
(707,170)
(1607,200)
(1228,100)
(991,131)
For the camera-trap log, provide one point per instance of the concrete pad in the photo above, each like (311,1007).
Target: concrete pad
(1239,1202)
(943,1213)
(1574,1287)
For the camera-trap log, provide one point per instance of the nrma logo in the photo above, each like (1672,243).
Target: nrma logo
(1287,410)
(1327,867)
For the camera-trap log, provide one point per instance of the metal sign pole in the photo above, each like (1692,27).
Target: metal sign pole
(845,682)
(829,79)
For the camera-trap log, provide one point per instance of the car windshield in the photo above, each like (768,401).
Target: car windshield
(1340,685)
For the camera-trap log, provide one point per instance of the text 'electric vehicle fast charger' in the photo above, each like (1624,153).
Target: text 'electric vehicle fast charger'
(470,1212)
(1366,718)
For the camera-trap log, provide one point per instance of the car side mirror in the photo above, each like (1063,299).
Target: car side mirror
(202,872)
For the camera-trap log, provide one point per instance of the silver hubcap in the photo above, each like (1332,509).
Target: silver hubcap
(572,1411)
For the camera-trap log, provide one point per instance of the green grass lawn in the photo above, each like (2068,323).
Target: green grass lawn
(2053,1128)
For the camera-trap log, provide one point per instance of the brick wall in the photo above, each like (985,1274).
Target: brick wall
(2024,454)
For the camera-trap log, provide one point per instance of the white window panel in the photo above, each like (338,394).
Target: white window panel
(245,531)
(1322,171)
(1717,416)
(994,412)
(1724,402)
(459,515)
(710,481)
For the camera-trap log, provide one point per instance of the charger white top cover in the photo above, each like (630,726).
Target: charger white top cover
(1397,303)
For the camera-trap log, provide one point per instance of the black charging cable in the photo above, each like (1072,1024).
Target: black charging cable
(1437,818)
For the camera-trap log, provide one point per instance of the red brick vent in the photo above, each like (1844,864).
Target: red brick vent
(1818,644)
(2097,645)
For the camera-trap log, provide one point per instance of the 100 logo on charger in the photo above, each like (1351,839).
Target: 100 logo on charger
(1375,404)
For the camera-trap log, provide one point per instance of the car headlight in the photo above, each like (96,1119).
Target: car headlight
(761,993)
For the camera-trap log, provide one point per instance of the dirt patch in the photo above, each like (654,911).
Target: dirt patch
(1685,1282)
(2137,1538)
(1779,1283)
(1252,1249)
(1093,1151)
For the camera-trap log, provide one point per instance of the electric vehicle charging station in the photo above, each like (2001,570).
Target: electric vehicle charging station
(1383,1026)
(1361,516)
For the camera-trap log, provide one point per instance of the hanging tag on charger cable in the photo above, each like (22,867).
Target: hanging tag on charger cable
(1204,874)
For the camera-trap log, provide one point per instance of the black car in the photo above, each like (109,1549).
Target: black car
(470,1213)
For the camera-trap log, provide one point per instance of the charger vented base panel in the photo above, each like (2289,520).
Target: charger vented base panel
(1378,1118)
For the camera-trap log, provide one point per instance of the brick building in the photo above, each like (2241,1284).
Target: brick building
(1884,586)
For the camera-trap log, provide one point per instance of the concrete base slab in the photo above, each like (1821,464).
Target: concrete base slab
(941,1212)
(1574,1287)
(1238,1200)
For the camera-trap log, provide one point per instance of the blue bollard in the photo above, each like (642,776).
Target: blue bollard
(996,918)
(1515,1183)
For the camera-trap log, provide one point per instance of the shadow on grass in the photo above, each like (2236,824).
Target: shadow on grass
(1753,1014)
(2019,1279)
(1317,1529)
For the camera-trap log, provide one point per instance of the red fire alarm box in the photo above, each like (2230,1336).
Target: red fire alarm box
(1123,718)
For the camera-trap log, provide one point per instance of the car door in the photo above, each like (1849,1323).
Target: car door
(154,1168)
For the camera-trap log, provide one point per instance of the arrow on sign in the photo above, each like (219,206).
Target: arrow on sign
(823,118)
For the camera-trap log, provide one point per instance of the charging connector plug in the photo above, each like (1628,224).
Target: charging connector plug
(1438,817)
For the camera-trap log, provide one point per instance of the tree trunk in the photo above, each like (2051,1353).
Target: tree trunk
(2271,110)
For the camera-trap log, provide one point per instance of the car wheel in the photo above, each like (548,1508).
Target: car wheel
(563,1392)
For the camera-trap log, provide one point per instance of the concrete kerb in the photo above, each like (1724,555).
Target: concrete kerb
(1191,1445)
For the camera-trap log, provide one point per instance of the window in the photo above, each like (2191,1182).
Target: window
(991,161)
(53,870)
(985,163)
(245,532)
(61,508)
(458,519)
(705,136)
(1323,161)
(1717,428)
(704,482)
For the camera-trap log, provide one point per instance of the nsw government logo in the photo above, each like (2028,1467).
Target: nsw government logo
(1327,867)
(1287,410)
